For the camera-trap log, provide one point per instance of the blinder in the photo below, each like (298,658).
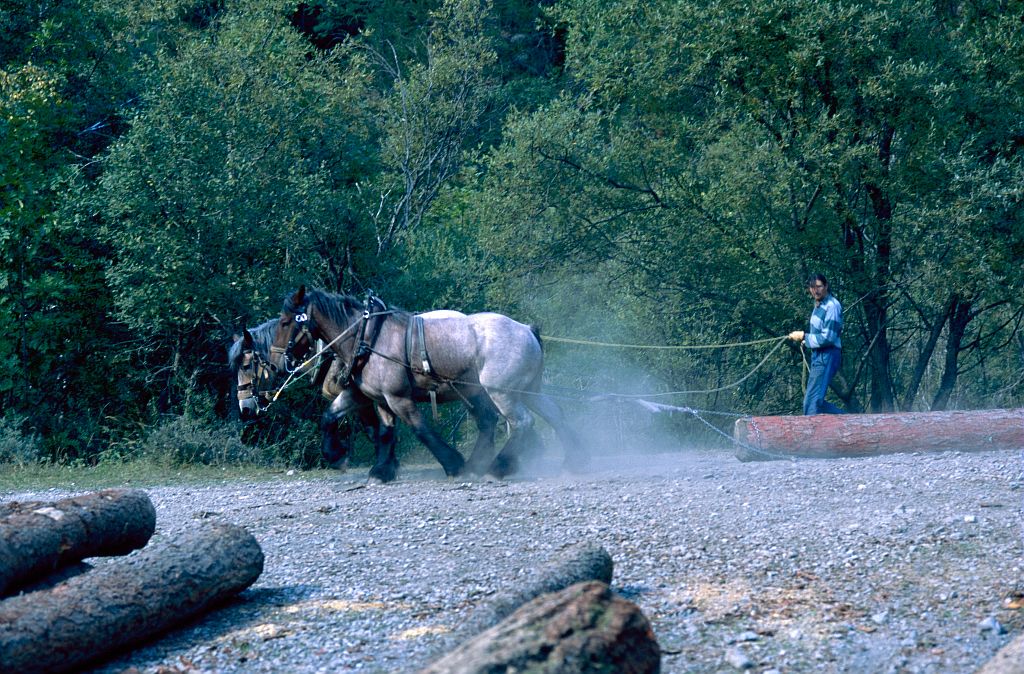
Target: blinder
(303,322)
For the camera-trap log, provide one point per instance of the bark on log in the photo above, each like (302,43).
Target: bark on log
(38,538)
(126,601)
(585,628)
(855,435)
(576,564)
(1008,660)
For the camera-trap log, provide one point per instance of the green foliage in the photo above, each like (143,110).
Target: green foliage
(660,172)
(17,447)
(710,155)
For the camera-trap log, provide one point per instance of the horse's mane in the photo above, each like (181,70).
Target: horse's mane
(339,308)
(262,336)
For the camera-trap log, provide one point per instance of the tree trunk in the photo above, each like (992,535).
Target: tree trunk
(585,628)
(126,601)
(38,538)
(959,317)
(925,356)
(852,435)
(876,306)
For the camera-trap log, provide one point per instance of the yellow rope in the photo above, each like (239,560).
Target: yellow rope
(584,342)
(709,390)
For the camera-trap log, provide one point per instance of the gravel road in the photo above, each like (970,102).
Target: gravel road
(902,563)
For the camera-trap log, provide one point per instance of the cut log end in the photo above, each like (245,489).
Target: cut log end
(37,539)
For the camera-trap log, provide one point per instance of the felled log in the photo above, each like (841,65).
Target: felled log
(1008,660)
(854,435)
(585,628)
(575,564)
(126,601)
(38,538)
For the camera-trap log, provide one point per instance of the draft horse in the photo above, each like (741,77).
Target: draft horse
(249,359)
(489,361)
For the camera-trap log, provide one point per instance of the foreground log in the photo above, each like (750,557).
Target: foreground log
(126,601)
(575,564)
(854,435)
(585,628)
(1009,659)
(38,538)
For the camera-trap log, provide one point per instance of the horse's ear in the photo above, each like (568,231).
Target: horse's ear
(299,295)
(247,340)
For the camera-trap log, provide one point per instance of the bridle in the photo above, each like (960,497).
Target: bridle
(261,369)
(264,370)
(303,325)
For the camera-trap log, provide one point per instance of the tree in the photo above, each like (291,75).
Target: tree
(711,155)
(233,185)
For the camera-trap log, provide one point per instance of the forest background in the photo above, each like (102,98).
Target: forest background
(661,172)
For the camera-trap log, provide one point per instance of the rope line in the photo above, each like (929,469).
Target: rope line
(657,408)
(633,397)
(736,383)
(653,347)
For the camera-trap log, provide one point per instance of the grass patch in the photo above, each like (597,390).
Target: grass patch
(137,474)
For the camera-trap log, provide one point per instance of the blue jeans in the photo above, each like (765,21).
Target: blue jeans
(824,365)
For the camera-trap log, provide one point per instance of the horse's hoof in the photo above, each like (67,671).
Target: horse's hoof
(375,482)
(383,478)
(502,468)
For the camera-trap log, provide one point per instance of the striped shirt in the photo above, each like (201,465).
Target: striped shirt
(826,324)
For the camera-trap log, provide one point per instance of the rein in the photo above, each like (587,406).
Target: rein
(361,324)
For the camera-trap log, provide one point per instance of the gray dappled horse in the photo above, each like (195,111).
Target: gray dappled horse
(491,362)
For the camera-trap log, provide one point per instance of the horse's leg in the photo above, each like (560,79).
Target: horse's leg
(406,409)
(336,447)
(521,433)
(575,458)
(386,437)
(485,414)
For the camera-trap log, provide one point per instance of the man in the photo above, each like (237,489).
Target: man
(822,338)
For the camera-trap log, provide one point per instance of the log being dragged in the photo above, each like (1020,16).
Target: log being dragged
(126,601)
(854,435)
(37,538)
(585,628)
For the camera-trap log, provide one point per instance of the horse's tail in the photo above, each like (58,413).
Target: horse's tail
(535,329)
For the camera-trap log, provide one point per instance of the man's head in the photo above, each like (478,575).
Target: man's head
(817,285)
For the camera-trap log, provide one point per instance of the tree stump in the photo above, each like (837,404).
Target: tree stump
(126,601)
(854,435)
(584,629)
(38,538)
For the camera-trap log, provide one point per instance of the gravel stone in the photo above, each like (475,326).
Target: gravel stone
(846,565)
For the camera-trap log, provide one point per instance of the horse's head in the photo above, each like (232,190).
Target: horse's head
(255,373)
(294,336)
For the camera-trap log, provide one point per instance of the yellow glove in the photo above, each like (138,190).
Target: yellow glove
(797,335)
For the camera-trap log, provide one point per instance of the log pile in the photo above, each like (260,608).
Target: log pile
(563,618)
(121,603)
(826,436)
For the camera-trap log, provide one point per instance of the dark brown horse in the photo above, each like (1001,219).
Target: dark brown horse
(489,361)
(250,362)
